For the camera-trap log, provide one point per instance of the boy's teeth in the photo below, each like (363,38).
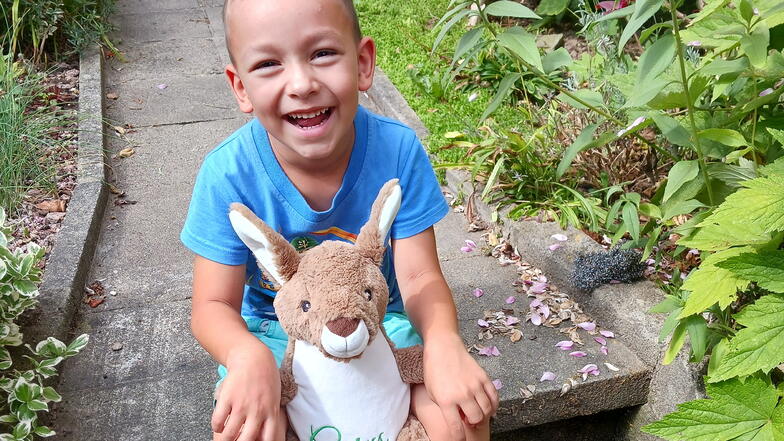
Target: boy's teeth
(307,115)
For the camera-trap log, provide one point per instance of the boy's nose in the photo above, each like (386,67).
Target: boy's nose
(302,82)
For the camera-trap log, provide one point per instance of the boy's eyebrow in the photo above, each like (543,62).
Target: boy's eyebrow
(313,37)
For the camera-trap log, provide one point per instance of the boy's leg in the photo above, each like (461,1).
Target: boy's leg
(429,414)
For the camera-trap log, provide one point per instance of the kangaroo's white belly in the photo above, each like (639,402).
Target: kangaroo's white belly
(364,399)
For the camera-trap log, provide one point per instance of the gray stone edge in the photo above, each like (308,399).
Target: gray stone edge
(69,261)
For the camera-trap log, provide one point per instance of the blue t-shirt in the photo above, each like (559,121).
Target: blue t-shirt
(244,169)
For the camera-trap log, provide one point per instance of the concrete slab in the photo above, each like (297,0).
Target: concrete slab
(184,100)
(153,6)
(161,60)
(163,25)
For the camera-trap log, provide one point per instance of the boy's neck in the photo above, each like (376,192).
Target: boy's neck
(317,181)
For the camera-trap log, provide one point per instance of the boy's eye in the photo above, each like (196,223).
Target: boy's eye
(265,64)
(323,53)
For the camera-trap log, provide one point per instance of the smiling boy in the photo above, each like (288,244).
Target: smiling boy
(309,165)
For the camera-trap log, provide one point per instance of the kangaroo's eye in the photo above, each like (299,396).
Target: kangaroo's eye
(368,295)
(305,305)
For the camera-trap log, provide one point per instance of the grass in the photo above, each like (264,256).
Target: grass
(404,37)
(25,126)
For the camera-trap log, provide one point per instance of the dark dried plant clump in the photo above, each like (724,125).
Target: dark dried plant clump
(592,270)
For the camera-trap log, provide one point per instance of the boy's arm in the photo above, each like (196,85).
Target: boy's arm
(453,379)
(250,393)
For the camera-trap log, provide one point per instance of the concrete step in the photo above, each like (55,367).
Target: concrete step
(521,364)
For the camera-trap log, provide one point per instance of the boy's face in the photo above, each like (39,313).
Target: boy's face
(298,67)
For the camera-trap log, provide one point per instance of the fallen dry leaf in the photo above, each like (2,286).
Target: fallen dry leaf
(116,190)
(126,152)
(112,96)
(51,205)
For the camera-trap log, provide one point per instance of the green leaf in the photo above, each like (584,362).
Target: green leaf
(674,207)
(37,405)
(506,8)
(522,44)
(670,324)
(732,175)
(735,408)
(724,136)
(760,205)
(643,10)
(50,394)
(631,220)
(23,390)
(445,29)
(650,210)
(504,88)
(765,268)
(722,66)
(577,146)
(77,344)
(746,10)
(710,284)
(710,7)
(755,45)
(656,59)
(669,304)
(467,42)
(698,336)
(22,429)
(591,97)
(717,355)
(44,432)
(758,345)
(676,343)
(556,59)
(647,91)
(24,286)
(672,129)
(551,7)
(499,165)
(681,173)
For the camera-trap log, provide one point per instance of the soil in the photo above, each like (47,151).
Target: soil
(42,210)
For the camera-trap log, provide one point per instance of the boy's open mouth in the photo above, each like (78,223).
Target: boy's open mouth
(311,119)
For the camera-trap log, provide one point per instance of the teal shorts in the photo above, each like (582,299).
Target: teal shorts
(398,328)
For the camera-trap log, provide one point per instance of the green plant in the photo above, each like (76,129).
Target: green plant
(741,285)
(25,392)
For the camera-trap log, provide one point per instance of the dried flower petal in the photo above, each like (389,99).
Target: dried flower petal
(559,237)
(511,320)
(608,334)
(162,86)
(695,43)
(565,345)
(588,368)
(535,303)
(766,92)
(538,287)
(472,97)
(466,249)
(554,246)
(490,351)
(470,243)
(600,340)
(482,323)
(547,376)
(510,300)
(634,124)
(536,319)
(498,385)
(479,292)
(611,367)
(578,354)
(588,326)
(604,350)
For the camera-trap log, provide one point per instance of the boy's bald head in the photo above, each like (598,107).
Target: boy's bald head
(227,5)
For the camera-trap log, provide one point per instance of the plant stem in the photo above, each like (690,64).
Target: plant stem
(689,106)
(568,93)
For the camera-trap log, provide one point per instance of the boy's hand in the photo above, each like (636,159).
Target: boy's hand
(457,384)
(248,403)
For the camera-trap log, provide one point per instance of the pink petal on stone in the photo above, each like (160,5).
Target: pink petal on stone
(588,368)
(603,350)
(588,326)
(554,246)
(494,351)
(611,367)
(470,243)
(490,351)
(560,237)
(547,376)
(542,279)
(466,249)
(510,299)
(535,303)
(545,311)
(538,287)
(600,340)
(498,385)
(162,86)
(482,323)
(479,292)
(608,334)
(565,345)
(578,354)
(536,319)
(512,321)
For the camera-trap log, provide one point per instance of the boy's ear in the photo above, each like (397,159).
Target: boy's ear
(372,238)
(366,59)
(272,251)
(240,94)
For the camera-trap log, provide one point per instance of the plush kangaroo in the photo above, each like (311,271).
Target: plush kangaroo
(341,376)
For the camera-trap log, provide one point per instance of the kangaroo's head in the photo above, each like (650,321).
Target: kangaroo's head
(333,295)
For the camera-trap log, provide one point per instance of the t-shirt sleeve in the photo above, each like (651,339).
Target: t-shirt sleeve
(423,203)
(207,230)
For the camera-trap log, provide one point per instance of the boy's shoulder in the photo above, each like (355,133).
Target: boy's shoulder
(388,125)
(238,141)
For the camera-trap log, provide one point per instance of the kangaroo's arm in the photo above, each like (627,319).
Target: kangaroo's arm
(288,388)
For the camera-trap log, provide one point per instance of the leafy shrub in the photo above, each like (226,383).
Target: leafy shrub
(53,26)
(24,391)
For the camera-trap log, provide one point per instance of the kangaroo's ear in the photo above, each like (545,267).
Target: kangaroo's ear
(272,251)
(372,238)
